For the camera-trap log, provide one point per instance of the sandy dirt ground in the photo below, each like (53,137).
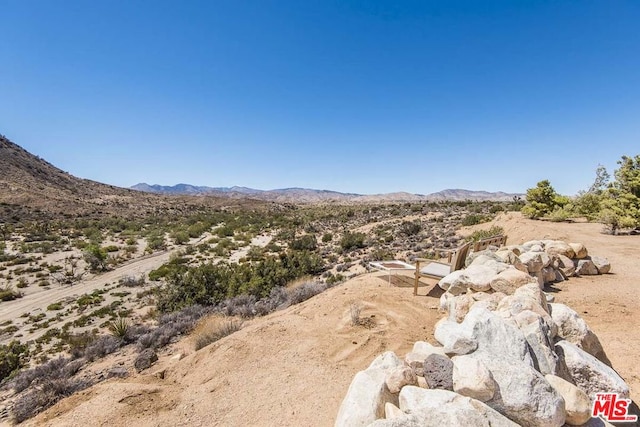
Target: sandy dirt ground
(293,367)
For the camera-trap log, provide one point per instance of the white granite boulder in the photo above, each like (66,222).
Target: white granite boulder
(446,408)
(576,403)
(588,373)
(509,280)
(574,329)
(471,378)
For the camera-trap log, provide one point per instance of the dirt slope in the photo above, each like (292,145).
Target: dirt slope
(293,367)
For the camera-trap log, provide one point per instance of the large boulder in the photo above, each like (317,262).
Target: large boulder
(588,373)
(523,394)
(576,402)
(511,258)
(602,264)
(533,261)
(558,247)
(586,267)
(475,277)
(365,399)
(510,280)
(438,371)
(454,339)
(495,335)
(446,408)
(574,329)
(368,393)
(538,335)
(471,378)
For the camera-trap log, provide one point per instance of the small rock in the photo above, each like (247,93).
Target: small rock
(391,411)
(602,264)
(586,267)
(566,266)
(580,250)
(117,372)
(438,371)
(145,359)
(400,377)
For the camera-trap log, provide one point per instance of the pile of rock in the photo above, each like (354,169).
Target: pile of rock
(503,360)
(504,269)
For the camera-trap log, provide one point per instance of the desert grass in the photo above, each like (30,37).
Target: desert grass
(214,328)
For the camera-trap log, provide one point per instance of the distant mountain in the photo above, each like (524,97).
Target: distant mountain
(34,189)
(308,195)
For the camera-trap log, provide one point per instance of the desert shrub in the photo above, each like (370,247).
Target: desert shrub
(305,291)
(48,393)
(560,214)
(131,281)
(214,329)
(304,243)
(55,306)
(180,237)
(381,254)
(485,234)
(96,257)
(474,219)
(352,241)
(224,231)
(7,293)
(210,284)
(155,242)
(100,347)
(410,228)
(12,358)
(172,325)
(327,237)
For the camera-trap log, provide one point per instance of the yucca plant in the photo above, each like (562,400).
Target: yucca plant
(119,328)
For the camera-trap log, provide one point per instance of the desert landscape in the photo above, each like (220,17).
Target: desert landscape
(293,367)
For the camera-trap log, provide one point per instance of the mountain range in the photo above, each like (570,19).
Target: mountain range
(308,195)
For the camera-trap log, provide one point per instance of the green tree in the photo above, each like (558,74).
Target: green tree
(621,203)
(96,257)
(589,203)
(542,200)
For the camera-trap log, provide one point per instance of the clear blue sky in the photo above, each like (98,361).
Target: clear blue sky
(354,96)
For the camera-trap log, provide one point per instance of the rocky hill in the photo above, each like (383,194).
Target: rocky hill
(32,188)
(308,195)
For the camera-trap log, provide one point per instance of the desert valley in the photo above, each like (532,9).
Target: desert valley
(123,306)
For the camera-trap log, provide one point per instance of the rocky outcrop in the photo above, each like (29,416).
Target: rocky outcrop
(505,360)
(540,261)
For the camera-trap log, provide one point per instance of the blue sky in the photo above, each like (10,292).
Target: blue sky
(354,96)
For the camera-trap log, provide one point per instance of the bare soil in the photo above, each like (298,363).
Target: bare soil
(293,367)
